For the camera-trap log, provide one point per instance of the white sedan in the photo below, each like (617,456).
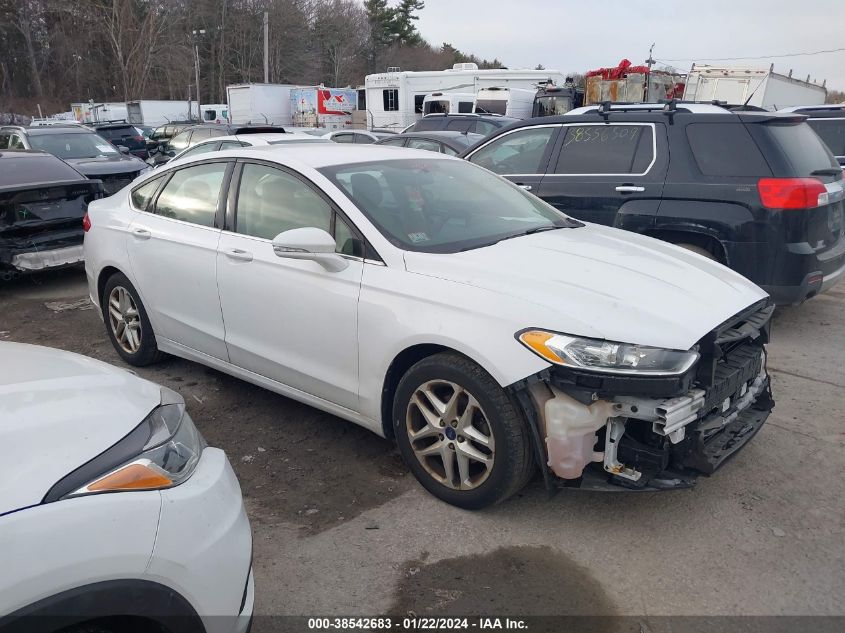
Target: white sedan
(248,140)
(112,508)
(429,300)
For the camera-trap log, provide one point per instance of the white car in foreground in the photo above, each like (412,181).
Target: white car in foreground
(425,298)
(114,514)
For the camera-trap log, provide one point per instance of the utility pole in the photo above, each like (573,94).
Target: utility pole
(197,68)
(650,62)
(266,47)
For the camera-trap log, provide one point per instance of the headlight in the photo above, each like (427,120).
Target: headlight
(161,452)
(606,356)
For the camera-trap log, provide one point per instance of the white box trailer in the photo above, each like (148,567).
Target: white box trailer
(394,99)
(260,104)
(154,112)
(760,87)
(328,108)
(214,112)
(514,102)
(93,111)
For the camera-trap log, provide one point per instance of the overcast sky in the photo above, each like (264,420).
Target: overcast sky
(574,36)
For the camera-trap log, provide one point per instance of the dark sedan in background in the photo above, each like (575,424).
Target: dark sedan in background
(451,143)
(42,206)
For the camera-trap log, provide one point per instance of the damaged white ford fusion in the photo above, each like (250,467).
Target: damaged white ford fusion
(432,301)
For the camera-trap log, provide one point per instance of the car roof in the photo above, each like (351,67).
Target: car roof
(270,137)
(467,115)
(827,111)
(57,129)
(317,155)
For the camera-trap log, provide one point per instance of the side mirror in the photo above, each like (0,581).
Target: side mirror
(312,244)
(123,149)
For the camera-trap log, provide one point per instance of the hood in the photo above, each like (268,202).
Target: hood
(58,410)
(107,165)
(603,283)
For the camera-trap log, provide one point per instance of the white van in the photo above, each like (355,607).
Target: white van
(513,102)
(448,103)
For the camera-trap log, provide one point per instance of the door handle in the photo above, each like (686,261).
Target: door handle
(629,189)
(142,234)
(526,187)
(239,255)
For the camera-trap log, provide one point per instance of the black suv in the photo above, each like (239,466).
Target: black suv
(123,134)
(829,123)
(757,191)
(483,124)
(79,146)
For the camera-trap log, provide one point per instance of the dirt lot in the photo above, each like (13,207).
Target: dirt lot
(341,527)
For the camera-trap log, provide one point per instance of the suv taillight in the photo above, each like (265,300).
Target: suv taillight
(792,193)
(86,222)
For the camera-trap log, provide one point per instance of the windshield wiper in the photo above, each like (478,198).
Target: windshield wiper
(827,171)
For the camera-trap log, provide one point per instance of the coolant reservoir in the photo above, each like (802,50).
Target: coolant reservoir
(571,432)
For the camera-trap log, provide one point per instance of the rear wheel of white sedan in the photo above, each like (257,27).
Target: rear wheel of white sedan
(460,433)
(127,322)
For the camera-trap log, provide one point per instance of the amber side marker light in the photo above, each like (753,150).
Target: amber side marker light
(537,342)
(131,477)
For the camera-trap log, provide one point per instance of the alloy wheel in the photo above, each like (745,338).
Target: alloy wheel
(450,434)
(124,319)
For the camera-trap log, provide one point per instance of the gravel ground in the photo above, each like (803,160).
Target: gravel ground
(342,528)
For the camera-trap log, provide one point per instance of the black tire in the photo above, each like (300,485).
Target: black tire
(513,464)
(147,352)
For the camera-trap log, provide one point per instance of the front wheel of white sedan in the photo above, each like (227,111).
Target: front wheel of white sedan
(459,432)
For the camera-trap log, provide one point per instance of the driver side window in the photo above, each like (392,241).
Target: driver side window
(519,152)
(271,201)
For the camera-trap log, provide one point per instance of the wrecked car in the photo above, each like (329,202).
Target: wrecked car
(431,301)
(42,205)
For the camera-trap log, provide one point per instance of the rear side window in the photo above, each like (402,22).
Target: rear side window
(423,143)
(202,148)
(726,150)
(396,142)
(343,138)
(363,139)
(606,149)
(803,148)
(427,124)
(832,132)
(484,128)
(141,196)
(460,125)
(519,152)
(191,194)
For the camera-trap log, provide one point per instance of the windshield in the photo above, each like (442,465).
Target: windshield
(550,106)
(442,206)
(73,145)
(493,106)
(832,132)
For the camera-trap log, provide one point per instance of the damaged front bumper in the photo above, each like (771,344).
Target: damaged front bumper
(640,434)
